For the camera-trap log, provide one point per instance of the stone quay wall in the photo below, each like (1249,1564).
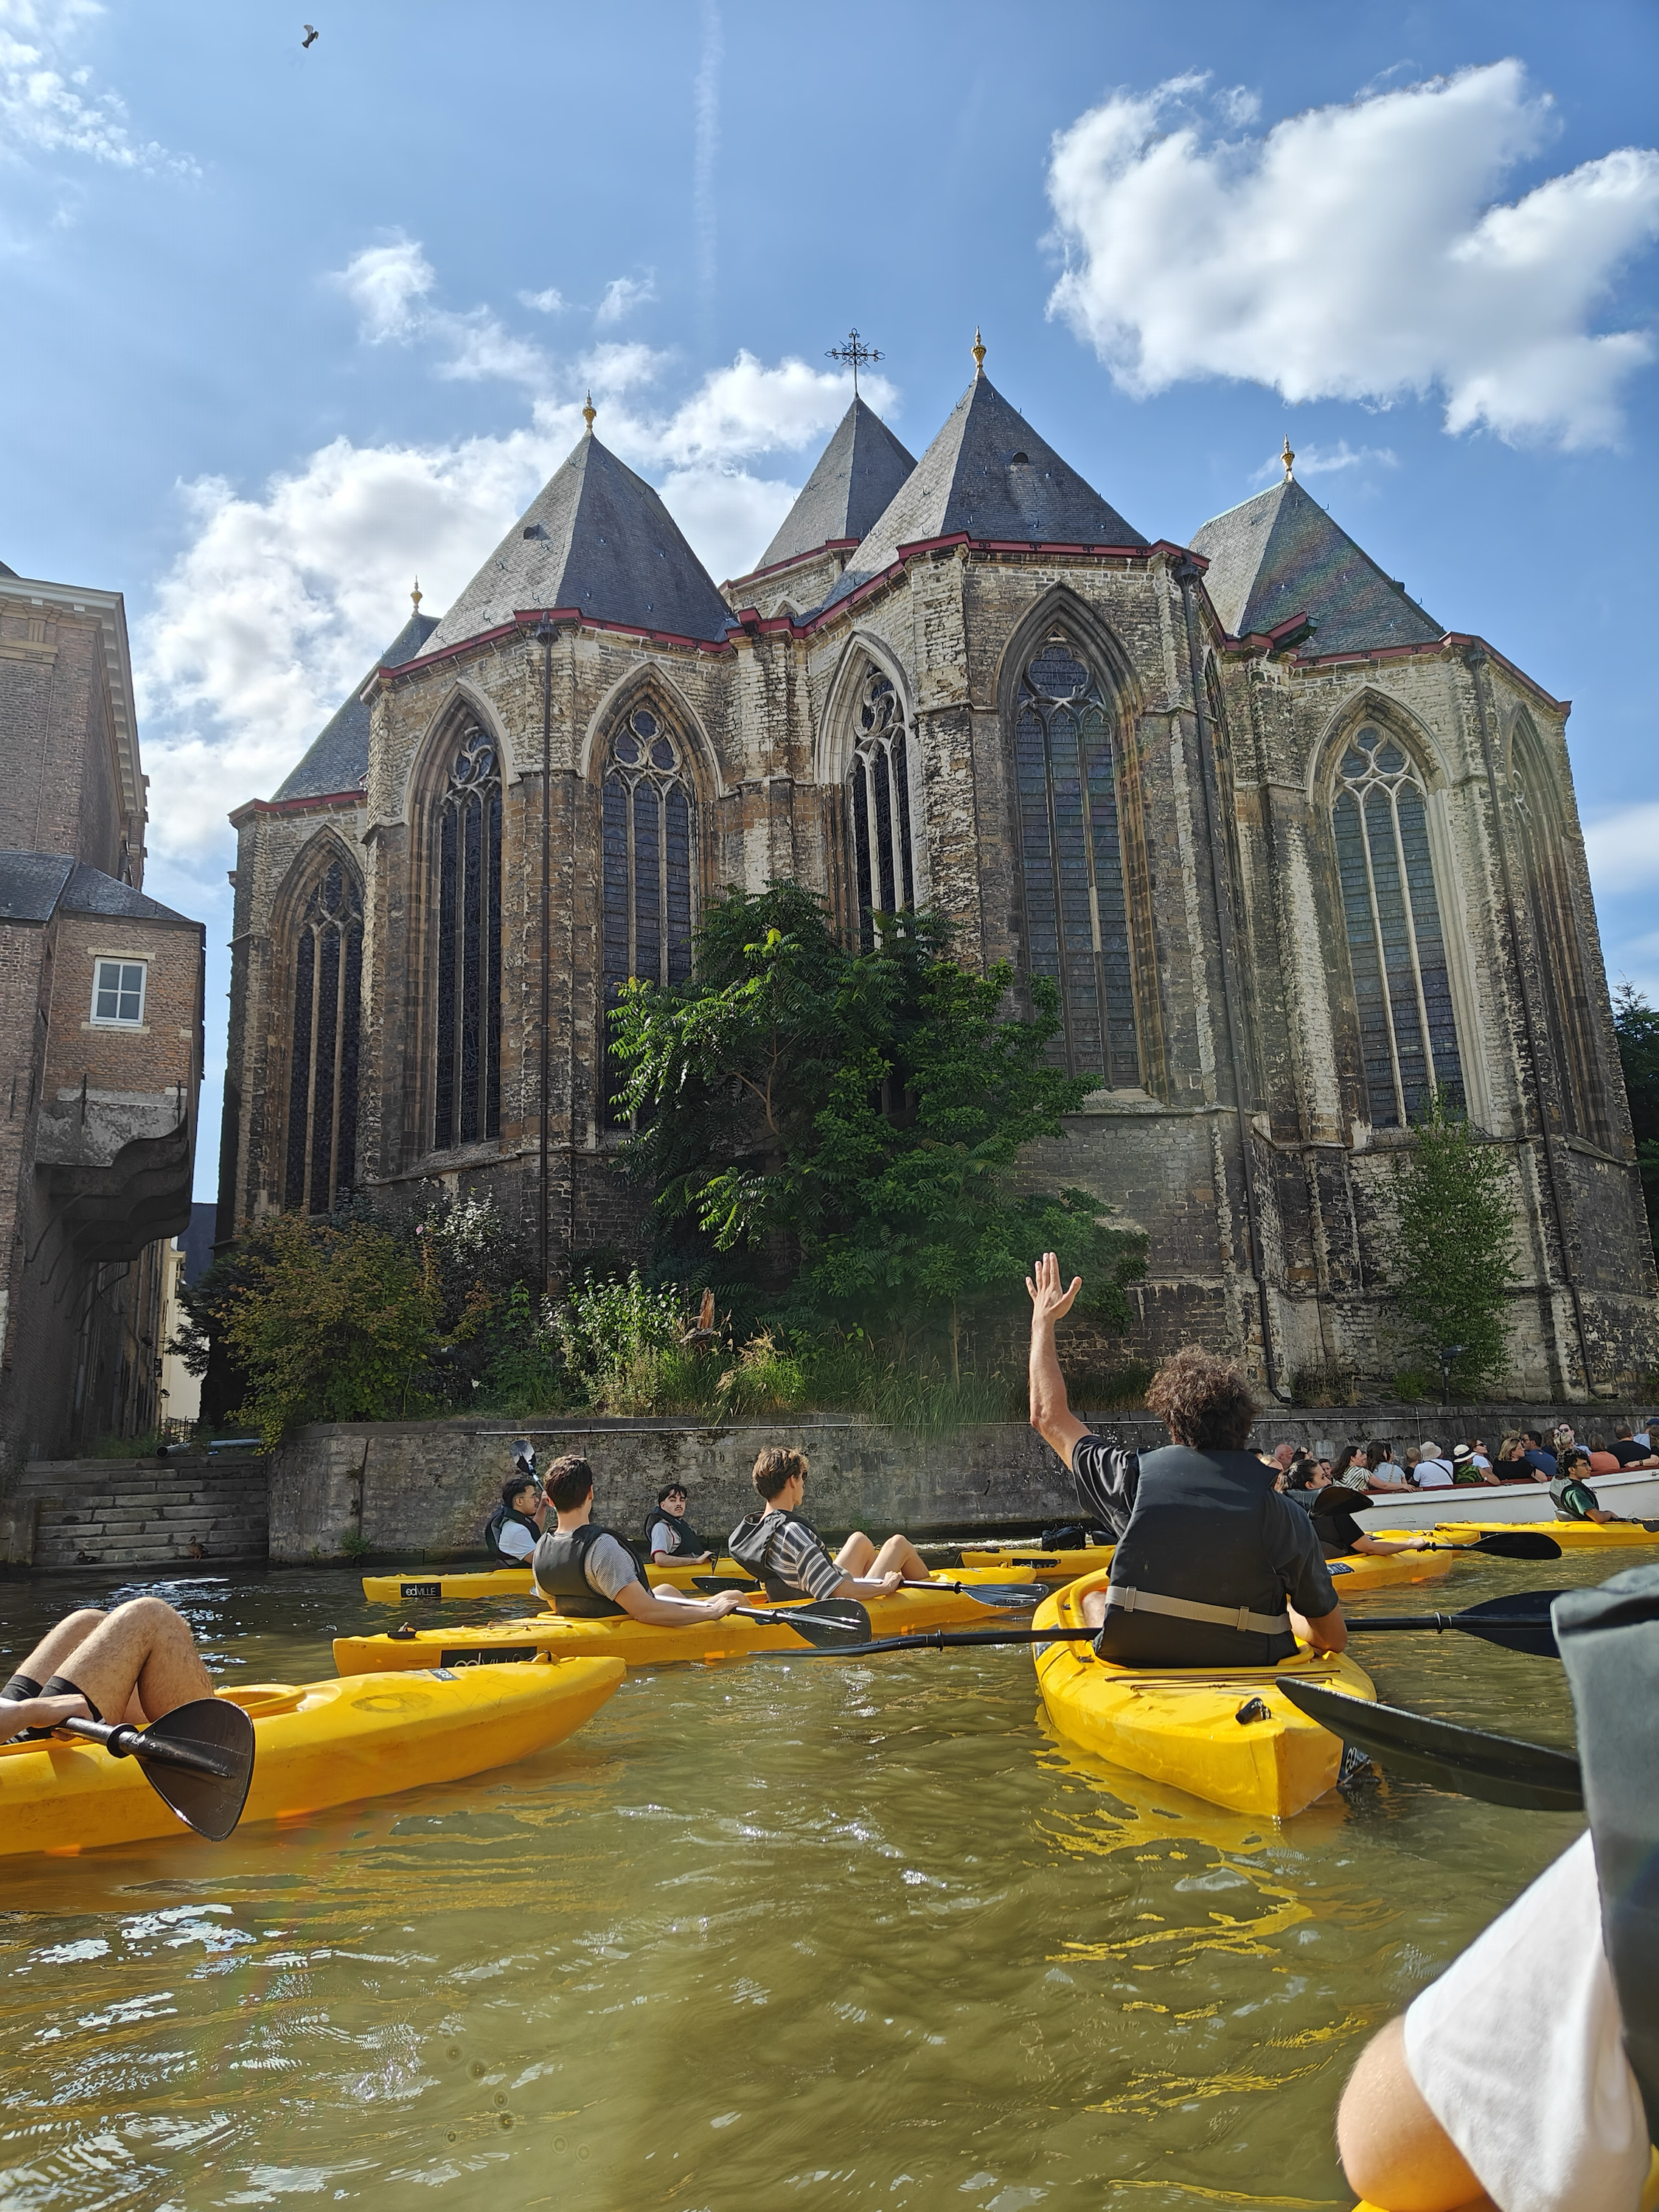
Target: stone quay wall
(421,1490)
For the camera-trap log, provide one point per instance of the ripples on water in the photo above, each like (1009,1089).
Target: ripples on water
(758,1936)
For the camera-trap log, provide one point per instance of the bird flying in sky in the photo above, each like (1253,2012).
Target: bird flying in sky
(310,38)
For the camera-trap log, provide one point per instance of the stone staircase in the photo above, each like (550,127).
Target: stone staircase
(141,1512)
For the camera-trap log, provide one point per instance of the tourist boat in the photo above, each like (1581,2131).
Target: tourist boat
(315,1745)
(917,1606)
(1223,1734)
(1635,1496)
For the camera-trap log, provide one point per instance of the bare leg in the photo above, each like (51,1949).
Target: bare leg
(1093,1608)
(1393,2148)
(135,1664)
(855,1554)
(898,1555)
(49,1655)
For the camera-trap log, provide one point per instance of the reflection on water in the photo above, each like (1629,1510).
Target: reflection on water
(835,1934)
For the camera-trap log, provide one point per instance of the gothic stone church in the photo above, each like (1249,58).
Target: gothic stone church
(1292,852)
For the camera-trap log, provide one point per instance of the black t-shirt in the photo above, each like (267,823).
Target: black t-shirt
(1335,1526)
(1106,1477)
(1627,1451)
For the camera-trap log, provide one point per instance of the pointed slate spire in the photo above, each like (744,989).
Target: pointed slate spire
(339,758)
(988,473)
(595,537)
(858,473)
(1280,553)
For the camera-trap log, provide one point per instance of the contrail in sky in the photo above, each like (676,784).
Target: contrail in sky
(706,146)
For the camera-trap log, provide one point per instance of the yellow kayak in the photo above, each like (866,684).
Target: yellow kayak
(316,1744)
(1196,1730)
(917,1606)
(1570,1535)
(413,1587)
(1359,1571)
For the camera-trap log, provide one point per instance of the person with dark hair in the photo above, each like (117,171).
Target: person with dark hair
(670,1539)
(1574,1498)
(514,1528)
(790,1557)
(1339,1532)
(590,1574)
(1538,1457)
(1625,1449)
(1210,1560)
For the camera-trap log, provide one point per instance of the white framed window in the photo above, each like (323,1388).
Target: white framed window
(117,993)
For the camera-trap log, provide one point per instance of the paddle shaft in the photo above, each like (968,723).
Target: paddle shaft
(122,1741)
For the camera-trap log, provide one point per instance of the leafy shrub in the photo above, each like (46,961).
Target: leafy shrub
(611,1336)
(1455,1249)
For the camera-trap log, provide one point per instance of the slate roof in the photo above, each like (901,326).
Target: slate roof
(595,537)
(5,571)
(34,885)
(988,473)
(857,475)
(338,757)
(1280,553)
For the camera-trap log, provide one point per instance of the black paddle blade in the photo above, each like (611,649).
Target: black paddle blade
(1500,1769)
(714,1584)
(1019,1597)
(1520,1623)
(1509,1544)
(830,1624)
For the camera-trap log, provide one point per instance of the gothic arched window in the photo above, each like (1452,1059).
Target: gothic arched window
(1077,926)
(468,1101)
(322,1089)
(1558,948)
(650,821)
(1396,946)
(878,804)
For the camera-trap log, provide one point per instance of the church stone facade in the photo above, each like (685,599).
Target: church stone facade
(1294,853)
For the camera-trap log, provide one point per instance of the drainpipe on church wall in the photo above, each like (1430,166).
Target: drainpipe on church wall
(1187,576)
(1475,660)
(545,633)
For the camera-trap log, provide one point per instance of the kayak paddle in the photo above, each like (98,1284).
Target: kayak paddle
(1506,1544)
(826,1626)
(200,1757)
(1520,1623)
(1018,1598)
(1501,1769)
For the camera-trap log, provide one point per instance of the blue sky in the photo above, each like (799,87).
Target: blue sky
(285,327)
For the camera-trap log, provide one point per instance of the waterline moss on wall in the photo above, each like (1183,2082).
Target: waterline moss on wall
(423,1490)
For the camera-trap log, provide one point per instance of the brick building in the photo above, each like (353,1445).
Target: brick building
(1293,852)
(101,1021)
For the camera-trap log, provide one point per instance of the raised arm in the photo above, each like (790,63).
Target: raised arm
(1051,1413)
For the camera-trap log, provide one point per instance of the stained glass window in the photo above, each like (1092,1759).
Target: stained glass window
(468,1105)
(322,1095)
(649,831)
(1077,926)
(878,801)
(1396,947)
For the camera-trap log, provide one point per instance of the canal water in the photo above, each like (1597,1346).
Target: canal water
(783,1934)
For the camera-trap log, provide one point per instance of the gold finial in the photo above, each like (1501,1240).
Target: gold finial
(978,350)
(1289,460)
(415,596)
(589,411)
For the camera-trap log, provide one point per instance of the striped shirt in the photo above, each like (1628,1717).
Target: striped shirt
(795,1554)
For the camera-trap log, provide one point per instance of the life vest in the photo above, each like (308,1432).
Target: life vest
(1609,1642)
(751,1549)
(1573,1497)
(492,1528)
(1198,1588)
(689,1544)
(560,1567)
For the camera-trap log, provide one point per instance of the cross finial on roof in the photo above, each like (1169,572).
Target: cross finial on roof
(1289,460)
(853,355)
(978,350)
(589,411)
(415,596)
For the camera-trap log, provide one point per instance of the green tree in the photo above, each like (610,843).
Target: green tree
(1636,1025)
(1455,1257)
(861,1114)
(333,1324)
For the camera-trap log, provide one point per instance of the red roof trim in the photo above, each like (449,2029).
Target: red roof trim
(334,800)
(1454,641)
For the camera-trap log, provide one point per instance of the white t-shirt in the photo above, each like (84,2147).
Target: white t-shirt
(1517,2052)
(1432,1474)
(518,1543)
(666,1535)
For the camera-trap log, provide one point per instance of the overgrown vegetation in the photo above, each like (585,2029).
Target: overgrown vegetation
(1636,1025)
(833,1143)
(1455,1255)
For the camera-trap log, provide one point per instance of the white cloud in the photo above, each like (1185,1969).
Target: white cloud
(45,106)
(623,295)
(1356,252)
(1623,849)
(282,598)
(1329,460)
(549,302)
(388,286)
